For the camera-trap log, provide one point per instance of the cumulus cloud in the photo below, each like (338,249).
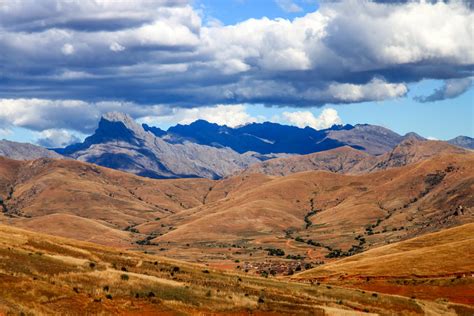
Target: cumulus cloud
(159,52)
(451,89)
(43,114)
(56,138)
(326,119)
(230,115)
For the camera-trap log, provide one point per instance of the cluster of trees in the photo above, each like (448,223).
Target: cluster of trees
(275,252)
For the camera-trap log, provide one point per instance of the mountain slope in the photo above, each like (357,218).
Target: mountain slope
(264,138)
(320,215)
(312,216)
(339,160)
(445,260)
(121,143)
(375,140)
(462,141)
(351,161)
(276,138)
(412,150)
(24,151)
(115,199)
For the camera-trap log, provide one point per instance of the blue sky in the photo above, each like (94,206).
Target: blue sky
(235,11)
(305,64)
(443,119)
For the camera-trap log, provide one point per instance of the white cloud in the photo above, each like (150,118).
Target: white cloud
(67,49)
(432,138)
(55,138)
(288,6)
(43,114)
(326,119)
(230,115)
(164,52)
(376,89)
(116,47)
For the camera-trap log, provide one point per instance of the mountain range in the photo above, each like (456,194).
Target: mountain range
(314,215)
(397,225)
(203,149)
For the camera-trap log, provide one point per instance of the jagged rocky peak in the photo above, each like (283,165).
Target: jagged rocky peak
(125,119)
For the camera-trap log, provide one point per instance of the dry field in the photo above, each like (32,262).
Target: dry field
(41,274)
(436,266)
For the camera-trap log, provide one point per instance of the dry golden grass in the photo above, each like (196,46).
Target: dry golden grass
(231,222)
(436,265)
(44,275)
(41,274)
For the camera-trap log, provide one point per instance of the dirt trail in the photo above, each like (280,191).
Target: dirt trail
(435,309)
(309,253)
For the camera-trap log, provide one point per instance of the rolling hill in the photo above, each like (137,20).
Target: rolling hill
(41,274)
(313,217)
(435,265)
(351,161)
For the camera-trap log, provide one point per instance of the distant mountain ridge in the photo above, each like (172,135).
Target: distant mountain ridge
(25,151)
(462,141)
(347,160)
(209,150)
(121,143)
(263,138)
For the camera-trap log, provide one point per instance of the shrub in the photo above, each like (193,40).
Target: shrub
(299,239)
(124,277)
(275,252)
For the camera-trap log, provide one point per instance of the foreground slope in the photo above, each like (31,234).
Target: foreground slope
(431,266)
(41,274)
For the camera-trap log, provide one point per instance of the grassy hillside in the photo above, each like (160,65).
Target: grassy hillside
(239,222)
(41,274)
(437,265)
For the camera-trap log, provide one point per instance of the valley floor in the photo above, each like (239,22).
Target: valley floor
(41,274)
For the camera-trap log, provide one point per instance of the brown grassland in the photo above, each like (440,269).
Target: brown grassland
(397,240)
(41,274)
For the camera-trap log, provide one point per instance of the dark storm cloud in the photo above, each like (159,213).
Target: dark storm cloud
(159,52)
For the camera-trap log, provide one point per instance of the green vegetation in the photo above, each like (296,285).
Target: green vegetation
(275,252)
